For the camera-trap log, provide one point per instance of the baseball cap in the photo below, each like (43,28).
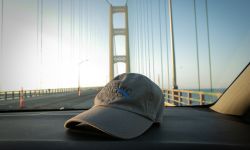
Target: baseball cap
(125,108)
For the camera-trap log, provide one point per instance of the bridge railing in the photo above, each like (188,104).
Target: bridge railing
(176,97)
(11,95)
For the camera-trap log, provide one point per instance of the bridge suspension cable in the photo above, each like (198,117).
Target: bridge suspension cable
(144,39)
(152,33)
(93,28)
(159,14)
(137,37)
(80,29)
(59,41)
(166,25)
(71,29)
(37,37)
(141,40)
(197,46)
(87,28)
(209,51)
(40,42)
(134,40)
(148,50)
(2,22)
(108,2)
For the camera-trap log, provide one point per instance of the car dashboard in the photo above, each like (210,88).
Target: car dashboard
(182,127)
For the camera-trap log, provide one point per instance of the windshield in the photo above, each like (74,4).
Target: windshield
(58,54)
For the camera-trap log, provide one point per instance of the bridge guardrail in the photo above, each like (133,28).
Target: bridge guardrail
(11,95)
(173,97)
(176,97)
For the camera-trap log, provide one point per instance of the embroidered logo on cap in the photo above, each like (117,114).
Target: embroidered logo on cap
(122,92)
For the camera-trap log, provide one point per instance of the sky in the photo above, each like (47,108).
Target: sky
(41,48)
(229,36)
(226,32)
(42,42)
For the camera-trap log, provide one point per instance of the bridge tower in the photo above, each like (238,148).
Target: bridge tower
(115,32)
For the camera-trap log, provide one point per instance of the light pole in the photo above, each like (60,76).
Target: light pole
(174,84)
(79,76)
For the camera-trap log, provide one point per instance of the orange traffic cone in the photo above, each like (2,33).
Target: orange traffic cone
(79,92)
(21,99)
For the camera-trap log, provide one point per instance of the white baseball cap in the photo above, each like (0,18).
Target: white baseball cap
(125,108)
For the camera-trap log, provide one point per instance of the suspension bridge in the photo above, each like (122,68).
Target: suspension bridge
(66,46)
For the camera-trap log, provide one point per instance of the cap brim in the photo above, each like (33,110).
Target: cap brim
(113,121)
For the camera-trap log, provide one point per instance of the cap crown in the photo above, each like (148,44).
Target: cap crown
(135,93)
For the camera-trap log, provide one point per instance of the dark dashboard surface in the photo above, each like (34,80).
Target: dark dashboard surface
(183,127)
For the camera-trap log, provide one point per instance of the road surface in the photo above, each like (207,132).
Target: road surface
(54,101)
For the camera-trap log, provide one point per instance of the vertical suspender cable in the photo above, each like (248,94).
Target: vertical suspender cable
(93,31)
(71,35)
(71,30)
(144,63)
(209,51)
(83,28)
(165,16)
(149,62)
(80,28)
(73,27)
(61,34)
(61,30)
(37,38)
(41,44)
(160,43)
(90,27)
(136,39)
(132,43)
(152,34)
(145,37)
(132,39)
(1,50)
(2,19)
(58,29)
(58,42)
(139,38)
(197,46)
(87,27)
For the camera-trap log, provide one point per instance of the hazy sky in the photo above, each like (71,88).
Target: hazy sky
(41,48)
(43,40)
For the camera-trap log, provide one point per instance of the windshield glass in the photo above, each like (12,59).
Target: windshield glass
(58,54)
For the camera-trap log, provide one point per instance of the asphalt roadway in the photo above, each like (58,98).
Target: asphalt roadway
(59,101)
